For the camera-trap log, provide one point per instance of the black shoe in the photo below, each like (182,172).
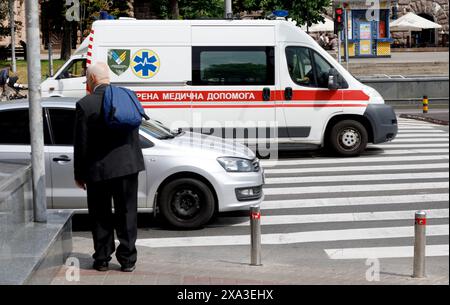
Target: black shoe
(101,266)
(128,268)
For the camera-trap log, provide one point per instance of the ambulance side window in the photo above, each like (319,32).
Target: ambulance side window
(307,68)
(233,66)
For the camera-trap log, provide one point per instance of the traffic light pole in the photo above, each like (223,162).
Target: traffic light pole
(339,47)
(346,37)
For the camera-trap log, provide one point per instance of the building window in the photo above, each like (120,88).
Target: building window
(233,66)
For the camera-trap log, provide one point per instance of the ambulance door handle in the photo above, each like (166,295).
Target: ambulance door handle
(266,94)
(288,93)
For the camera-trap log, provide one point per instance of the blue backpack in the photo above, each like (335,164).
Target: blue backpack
(122,109)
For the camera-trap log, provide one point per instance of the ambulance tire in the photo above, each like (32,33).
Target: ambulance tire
(348,138)
(187,203)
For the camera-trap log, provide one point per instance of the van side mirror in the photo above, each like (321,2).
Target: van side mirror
(334,79)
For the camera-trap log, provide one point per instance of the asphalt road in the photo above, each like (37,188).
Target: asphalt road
(331,214)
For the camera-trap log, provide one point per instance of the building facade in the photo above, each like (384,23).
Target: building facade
(433,10)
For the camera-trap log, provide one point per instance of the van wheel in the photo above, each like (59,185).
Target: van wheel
(187,203)
(348,138)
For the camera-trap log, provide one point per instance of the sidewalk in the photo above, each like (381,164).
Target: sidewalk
(440,117)
(282,265)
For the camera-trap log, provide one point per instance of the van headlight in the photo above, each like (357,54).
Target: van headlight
(236,165)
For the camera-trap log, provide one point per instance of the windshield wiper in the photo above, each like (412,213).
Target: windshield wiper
(168,137)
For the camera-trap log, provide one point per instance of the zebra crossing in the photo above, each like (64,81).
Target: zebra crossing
(350,208)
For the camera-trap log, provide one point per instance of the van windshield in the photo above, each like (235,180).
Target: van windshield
(156,130)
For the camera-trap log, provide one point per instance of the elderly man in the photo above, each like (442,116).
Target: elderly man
(106,164)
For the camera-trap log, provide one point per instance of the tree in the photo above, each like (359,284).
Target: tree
(303,11)
(199,9)
(4,20)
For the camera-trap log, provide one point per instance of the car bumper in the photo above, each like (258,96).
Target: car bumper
(384,122)
(228,183)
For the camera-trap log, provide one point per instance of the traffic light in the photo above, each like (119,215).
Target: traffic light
(338,20)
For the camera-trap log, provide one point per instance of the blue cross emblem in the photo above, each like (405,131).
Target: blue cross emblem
(145,63)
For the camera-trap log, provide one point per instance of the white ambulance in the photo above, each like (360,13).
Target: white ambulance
(249,80)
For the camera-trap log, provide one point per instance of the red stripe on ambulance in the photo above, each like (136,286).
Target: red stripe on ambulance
(249,96)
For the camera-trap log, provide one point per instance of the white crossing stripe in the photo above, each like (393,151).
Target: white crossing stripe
(337,217)
(359,168)
(412,146)
(350,178)
(292,238)
(422,140)
(420,131)
(355,188)
(362,159)
(385,252)
(354,201)
(404,152)
(428,136)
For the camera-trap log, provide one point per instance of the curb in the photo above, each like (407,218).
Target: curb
(425,119)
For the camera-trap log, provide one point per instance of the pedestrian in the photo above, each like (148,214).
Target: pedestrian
(323,40)
(4,78)
(106,164)
(334,43)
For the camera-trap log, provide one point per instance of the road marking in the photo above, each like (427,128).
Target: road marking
(411,146)
(350,178)
(292,238)
(362,159)
(423,140)
(360,168)
(427,136)
(420,131)
(327,218)
(385,252)
(393,152)
(353,201)
(354,188)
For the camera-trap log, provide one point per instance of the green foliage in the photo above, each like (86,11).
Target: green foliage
(303,11)
(197,9)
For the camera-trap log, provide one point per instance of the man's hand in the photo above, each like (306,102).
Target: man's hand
(81,184)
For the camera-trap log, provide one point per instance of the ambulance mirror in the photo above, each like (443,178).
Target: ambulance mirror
(333,79)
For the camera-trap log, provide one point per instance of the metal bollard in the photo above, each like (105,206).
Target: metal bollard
(425,104)
(420,244)
(255,227)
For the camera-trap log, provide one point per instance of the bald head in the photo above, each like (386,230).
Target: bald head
(97,74)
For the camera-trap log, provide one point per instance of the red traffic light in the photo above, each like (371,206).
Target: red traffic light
(339,11)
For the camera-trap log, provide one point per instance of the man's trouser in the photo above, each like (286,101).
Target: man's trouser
(124,192)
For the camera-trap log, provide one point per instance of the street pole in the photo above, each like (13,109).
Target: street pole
(339,47)
(13,36)
(36,120)
(346,37)
(50,59)
(228,9)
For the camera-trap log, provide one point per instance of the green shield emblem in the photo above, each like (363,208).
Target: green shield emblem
(119,61)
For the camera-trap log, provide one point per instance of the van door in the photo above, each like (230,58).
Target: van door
(307,101)
(15,142)
(233,91)
(66,195)
(71,80)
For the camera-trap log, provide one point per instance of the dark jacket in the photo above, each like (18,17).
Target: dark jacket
(101,153)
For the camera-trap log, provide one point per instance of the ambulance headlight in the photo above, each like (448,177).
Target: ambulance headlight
(236,165)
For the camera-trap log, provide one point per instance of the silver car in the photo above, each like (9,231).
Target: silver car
(188,179)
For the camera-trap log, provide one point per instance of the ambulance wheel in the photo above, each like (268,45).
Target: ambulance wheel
(187,203)
(348,138)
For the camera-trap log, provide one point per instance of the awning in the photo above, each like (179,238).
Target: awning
(326,26)
(413,22)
